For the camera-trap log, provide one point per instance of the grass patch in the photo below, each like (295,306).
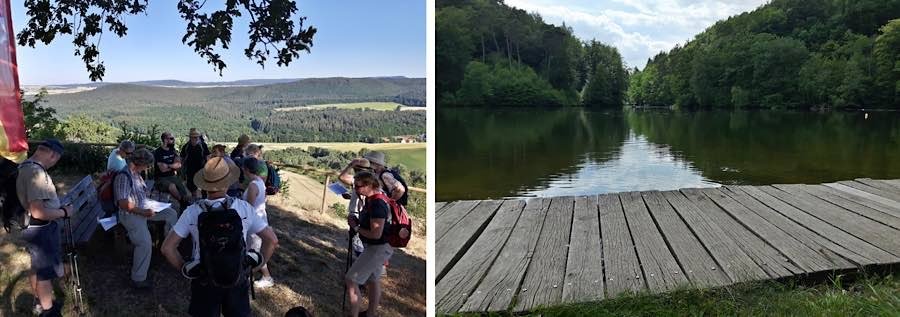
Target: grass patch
(866,296)
(413,159)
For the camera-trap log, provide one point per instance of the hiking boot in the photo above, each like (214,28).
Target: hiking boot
(141,285)
(264,282)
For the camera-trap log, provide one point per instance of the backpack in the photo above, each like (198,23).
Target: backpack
(106,194)
(273,180)
(405,198)
(222,245)
(12,209)
(397,220)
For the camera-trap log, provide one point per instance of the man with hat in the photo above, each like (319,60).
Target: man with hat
(394,186)
(37,194)
(193,154)
(207,299)
(168,163)
(131,198)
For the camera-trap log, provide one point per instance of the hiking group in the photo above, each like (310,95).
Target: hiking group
(217,200)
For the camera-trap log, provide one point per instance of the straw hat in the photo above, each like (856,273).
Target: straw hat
(217,175)
(375,157)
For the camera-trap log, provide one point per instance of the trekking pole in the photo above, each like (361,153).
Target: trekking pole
(75,278)
(347,268)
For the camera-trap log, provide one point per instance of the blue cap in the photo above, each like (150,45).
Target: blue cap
(54,145)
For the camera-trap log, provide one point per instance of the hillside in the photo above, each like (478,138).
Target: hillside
(224,113)
(785,54)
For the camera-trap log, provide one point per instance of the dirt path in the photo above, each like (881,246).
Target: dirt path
(308,268)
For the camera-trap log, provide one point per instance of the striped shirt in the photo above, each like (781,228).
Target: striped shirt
(135,190)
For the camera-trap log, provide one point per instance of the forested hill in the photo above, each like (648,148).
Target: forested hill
(785,54)
(227,112)
(490,54)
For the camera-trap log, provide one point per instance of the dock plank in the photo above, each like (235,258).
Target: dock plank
(457,241)
(496,290)
(584,269)
(439,206)
(881,185)
(872,190)
(873,201)
(544,279)
(620,262)
(881,236)
(768,258)
(657,262)
(799,253)
(450,216)
(862,210)
(836,254)
(729,256)
(695,261)
(454,288)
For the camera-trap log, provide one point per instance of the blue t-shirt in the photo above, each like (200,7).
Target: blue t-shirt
(115,161)
(374,209)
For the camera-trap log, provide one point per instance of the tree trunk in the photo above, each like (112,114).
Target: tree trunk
(508,53)
(482,47)
(518,55)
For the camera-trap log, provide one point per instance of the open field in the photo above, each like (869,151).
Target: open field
(383,106)
(338,146)
(411,158)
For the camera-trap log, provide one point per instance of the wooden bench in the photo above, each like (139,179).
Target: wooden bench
(86,209)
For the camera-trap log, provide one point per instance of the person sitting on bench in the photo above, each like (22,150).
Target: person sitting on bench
(131,197)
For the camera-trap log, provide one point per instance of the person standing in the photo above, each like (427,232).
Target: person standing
(194,154)
(256,196)
(208,299)
(37,194)
(238,153)
(394,186)
(131,197)
(369,267)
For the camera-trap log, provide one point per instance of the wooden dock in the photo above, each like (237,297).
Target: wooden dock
(502,255)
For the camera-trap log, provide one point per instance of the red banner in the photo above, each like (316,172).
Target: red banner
(13,144)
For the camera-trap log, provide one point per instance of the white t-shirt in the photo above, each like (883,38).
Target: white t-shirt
(259,204)
(187,224)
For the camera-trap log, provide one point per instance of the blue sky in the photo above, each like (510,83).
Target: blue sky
(354,39)
(638,28)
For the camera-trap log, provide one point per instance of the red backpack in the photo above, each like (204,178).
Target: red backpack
(398,227)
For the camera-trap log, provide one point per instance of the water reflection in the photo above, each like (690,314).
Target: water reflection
(518,153)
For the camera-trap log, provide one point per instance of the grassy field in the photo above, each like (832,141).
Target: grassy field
(411,155)
(411,158)
(383,106)
(867,296)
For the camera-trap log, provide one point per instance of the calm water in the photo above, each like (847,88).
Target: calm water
(526,153)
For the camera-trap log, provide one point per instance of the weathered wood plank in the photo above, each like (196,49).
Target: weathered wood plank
(657,262)
(862,210)
(873,201)
(835,254)
(454,288)
(584,269)
(543,281)
(800,254)
(457,241)
(693,257)
(872,190)
(87,226)
(447,219)
(782,203)
(881,236)
(895,182)
(729,256)
(881,185)
(439,206)
(496,290)
(768,258)
(620,262)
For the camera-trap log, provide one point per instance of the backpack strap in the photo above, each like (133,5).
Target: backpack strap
(387,200)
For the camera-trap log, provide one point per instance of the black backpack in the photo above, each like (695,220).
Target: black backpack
(14,214)
(222,245)
(402,201)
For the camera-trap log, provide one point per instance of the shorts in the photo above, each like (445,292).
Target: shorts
(162,184)
(208,300)
(369,266)
(43,244)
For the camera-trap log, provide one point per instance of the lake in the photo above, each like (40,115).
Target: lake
(513,153)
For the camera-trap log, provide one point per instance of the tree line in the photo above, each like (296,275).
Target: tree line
(490,54)
(785,54)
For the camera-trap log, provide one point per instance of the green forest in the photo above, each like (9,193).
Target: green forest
(487,53)
(786,54)
(224,113)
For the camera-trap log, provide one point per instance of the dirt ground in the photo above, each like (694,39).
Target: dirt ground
(308,267)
